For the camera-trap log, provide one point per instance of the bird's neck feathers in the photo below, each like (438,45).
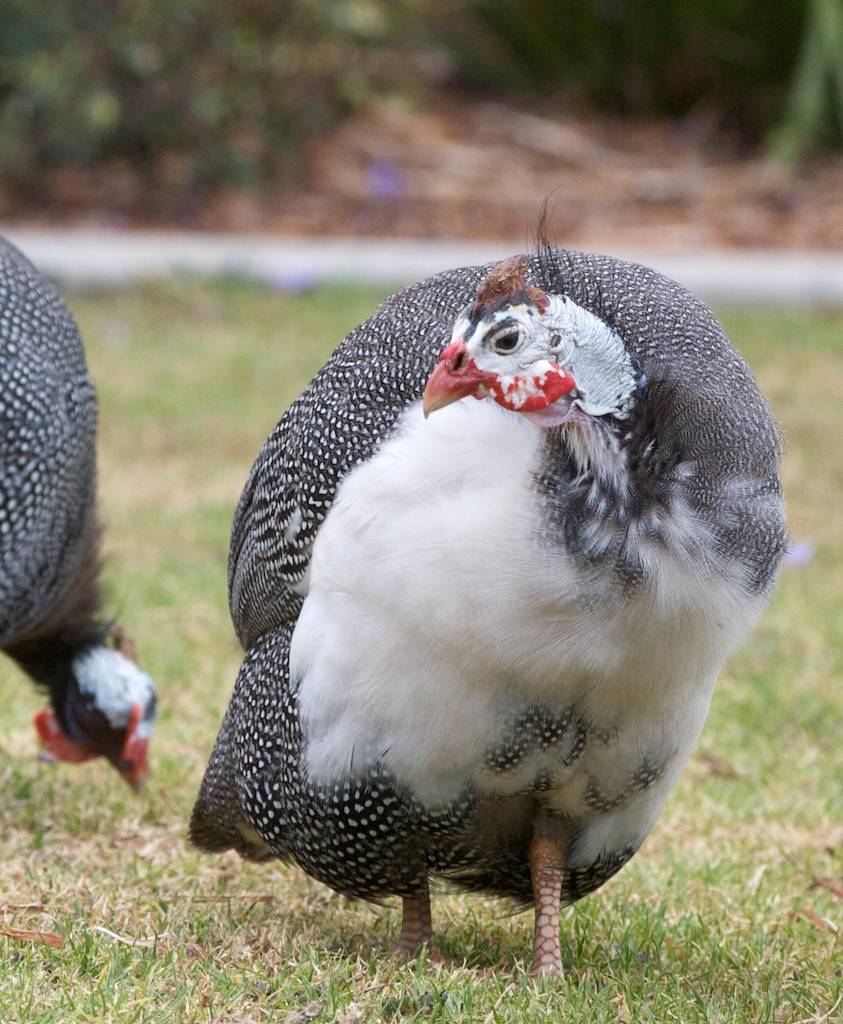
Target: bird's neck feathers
(605,460)
(618,492)
(72,625)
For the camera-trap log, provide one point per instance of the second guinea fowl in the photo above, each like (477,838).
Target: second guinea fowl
(481,645)
(100,703)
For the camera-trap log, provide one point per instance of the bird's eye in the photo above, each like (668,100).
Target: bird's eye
(506,341)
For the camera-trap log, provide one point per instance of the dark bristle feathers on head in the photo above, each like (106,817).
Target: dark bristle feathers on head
(546,255)
(553,266)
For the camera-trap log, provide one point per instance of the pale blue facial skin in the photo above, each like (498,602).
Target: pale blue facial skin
(564,334)
(117,684)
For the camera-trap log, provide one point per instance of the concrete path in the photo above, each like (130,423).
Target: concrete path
(94,256)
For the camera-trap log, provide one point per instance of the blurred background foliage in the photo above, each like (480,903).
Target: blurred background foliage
(188,91)
(192,94)
(733,59)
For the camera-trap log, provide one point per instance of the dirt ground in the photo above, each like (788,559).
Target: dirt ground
(463,168)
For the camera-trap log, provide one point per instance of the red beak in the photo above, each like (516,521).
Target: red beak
(134,763)
(455,376)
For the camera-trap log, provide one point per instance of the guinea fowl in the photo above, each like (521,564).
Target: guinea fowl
(101,703)
(481,646)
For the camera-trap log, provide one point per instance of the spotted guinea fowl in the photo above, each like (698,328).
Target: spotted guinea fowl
(482,645)
(101,703)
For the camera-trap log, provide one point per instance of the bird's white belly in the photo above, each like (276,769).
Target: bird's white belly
(435,614)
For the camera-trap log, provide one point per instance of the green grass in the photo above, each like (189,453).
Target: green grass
(717,919)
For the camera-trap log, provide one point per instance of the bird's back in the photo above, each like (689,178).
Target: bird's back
(48,417)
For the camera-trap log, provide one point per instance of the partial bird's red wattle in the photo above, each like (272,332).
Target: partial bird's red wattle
(457,376)
(135,752)
(56,742)
(522,393)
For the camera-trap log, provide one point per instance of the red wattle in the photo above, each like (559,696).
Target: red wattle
(528,394)
(135,751)
(56,742)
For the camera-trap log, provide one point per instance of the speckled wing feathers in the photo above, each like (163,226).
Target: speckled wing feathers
(48,417)
(339,421)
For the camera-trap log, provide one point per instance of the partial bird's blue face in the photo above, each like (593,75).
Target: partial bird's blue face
(109,711)
(533,353)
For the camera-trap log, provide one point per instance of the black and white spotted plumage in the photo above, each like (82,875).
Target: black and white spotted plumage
(50,602)
(48,420)
(682,542)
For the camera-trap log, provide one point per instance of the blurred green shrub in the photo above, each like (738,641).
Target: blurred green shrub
(814,111)
(738,60)
(191,93)
(188,92)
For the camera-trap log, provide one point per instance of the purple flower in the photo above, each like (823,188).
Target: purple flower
(798,554)
(384,180)
(293,281)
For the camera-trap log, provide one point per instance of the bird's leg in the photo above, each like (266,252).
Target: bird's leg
(416,928)
(547,866)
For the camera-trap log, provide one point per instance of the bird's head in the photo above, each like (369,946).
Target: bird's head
(108,710)
(533,353)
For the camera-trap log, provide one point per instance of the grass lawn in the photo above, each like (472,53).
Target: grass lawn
(724,914)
